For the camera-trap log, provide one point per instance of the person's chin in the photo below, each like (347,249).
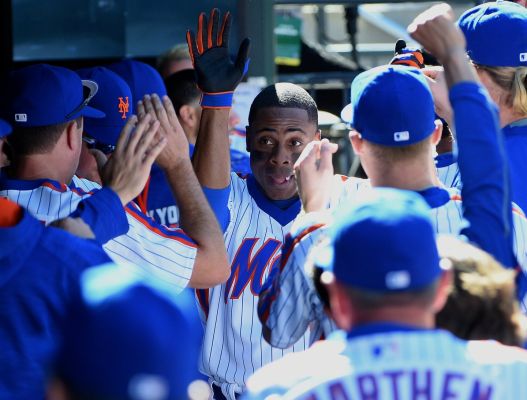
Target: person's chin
(280,191)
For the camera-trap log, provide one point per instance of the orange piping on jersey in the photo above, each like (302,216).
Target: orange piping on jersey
(147,224)
(299,237)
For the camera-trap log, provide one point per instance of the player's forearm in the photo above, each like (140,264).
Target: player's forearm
(211,158)
(458,69)
(199,223)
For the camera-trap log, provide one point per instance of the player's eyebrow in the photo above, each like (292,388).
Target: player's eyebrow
(288,130)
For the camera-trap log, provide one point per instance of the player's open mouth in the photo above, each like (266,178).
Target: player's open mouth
(280,180)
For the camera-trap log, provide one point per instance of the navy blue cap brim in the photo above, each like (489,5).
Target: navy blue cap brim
(84,109)
(347,113)
(5,129)
(90,112)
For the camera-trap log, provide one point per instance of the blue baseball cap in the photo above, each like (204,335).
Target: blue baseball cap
(127,338)
(141,77)
(496,34)
(114,98)
(391,105)
(5,128)
(384,243)
(43,94)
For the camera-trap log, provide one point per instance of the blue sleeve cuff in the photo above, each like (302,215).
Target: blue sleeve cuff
(104,213)
(218,200)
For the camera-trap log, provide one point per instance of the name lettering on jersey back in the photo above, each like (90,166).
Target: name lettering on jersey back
(250,265)
(401,384)
(165,215)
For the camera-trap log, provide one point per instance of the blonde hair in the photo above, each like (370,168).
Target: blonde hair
(482,303)
(513,81)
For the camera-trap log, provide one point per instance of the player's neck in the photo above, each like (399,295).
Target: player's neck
(38,167)
(407,315)
(508,116)
(407,176)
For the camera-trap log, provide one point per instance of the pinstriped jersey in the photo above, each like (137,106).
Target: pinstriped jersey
(449,175)
(290,304)
(233,346)
(154,250)
(396,365)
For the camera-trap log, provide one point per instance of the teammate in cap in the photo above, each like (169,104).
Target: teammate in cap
(5,129)
(126,338)
(397,151)
(386,302)
(496,36)
(39,278)
(255,212)
(47,142)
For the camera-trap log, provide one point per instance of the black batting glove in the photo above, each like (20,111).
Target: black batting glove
(217,75)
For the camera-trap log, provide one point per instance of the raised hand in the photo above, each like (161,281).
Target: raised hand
(177,144)
(217,75)
(436,30)
(128,169)
(314,174)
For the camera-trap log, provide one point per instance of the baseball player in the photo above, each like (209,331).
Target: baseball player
(255,212)
(126,338)
(39,278)
(496,36)
(5,129)
(395,155)
(47,142)
(386,304)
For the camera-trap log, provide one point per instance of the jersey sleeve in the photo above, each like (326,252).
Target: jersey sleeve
(288,303)
(163,253)
(104,213)
(483,168)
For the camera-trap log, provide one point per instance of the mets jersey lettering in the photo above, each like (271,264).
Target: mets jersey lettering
(396,365)
(233,345)
(249,266)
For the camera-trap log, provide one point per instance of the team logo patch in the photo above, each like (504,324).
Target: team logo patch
(123,107)
(21,117)
(403,136)
(523,57)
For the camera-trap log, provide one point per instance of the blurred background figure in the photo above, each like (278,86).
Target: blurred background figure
(174,60)
(5,129)
(127,339)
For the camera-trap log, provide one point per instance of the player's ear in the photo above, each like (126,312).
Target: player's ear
(73,132)
(340,305)
(318,135)
(443,290)
(438,131)
(356,141)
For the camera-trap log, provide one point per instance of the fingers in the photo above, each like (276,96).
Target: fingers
(141,112)
(242,60)
(202,32)
(154,151)
(170,111)
(149,106)
(138,134)
(327,149)
(100,158)
(147,138)
(159,109)
(125,134)
(212,29)
(308,156)
(223,39)
(192,47)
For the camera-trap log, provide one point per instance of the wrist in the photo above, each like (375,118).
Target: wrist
(216,100)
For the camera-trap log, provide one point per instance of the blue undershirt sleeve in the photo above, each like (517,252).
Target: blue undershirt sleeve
(104,213)
(218,200)
(483,167)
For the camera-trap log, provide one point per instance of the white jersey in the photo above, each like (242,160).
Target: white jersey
(154,250)
(449,175)
(396,365)
(290,304)
(233,346)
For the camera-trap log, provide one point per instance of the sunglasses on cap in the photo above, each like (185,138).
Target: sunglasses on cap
(94,144)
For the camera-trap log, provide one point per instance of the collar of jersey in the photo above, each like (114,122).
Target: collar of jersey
(520,122)
(269,206)
(435,196)
(22,184)
(381,327)
(444,160)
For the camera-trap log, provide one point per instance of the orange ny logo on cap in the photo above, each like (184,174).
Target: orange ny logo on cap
(123,107)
